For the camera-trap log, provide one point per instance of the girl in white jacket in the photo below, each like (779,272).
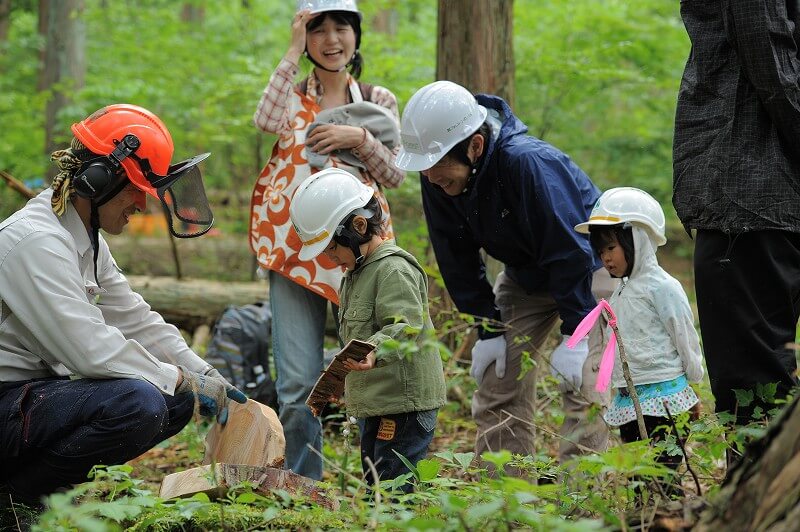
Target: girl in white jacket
(654,318)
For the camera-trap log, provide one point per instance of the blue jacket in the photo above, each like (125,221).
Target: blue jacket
(521,208)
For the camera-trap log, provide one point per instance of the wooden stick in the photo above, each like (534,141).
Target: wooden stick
(17,185)
(626,372)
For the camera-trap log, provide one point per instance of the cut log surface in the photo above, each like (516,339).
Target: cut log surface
(252,436)
(215,480)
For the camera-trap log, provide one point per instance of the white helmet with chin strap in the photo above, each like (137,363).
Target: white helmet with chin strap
(318,6)
(437,117)
(631,205)
(321,206)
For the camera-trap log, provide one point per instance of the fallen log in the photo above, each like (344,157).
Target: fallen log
(189,303)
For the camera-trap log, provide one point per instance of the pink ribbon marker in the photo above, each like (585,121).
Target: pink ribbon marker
(607,362)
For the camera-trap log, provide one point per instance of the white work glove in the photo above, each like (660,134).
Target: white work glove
(567,363)
(484,353)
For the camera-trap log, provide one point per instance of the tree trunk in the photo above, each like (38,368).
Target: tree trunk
(474,48)
(762,491)
(5,19)
(64,60)
(193,13)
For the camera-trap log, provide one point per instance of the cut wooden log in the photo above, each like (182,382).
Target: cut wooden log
(252,436)
(762,491)
(215,481)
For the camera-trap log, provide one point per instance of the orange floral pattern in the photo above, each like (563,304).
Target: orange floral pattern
(272,236)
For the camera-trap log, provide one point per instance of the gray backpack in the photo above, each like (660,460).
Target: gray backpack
(239,349)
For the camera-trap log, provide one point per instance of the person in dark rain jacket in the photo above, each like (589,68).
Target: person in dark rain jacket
(489,185)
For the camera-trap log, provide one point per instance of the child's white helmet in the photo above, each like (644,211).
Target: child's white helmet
(321,203)
(628,204)
(437,117)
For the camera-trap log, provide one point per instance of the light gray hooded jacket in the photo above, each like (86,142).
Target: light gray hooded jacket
(655,322)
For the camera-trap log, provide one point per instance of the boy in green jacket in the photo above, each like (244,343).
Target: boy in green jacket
(383,296)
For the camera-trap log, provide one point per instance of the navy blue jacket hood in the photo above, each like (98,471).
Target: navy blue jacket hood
(521,208)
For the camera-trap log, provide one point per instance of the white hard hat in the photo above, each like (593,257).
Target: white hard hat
(628,204)
(318,6)
(321,203)
(437,117)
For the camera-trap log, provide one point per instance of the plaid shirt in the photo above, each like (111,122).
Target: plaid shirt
(272,116)
(736,153)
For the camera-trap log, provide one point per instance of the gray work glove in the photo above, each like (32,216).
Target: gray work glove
(567,363)
(484,353)
(212,392)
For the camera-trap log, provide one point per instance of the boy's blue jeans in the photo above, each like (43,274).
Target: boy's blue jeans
(53,431)
(409,434)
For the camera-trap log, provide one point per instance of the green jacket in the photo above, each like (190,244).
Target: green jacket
(385,299)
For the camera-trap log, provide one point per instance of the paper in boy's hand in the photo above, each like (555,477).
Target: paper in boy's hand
(331,382)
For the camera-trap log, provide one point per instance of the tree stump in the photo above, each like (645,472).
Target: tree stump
(215,481)
(252,436)
(250,448)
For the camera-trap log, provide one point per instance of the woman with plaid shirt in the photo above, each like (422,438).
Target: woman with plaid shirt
(329,34)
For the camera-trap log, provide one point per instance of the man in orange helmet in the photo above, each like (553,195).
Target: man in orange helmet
(88,373)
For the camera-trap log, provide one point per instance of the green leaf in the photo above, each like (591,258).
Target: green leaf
(744,397)
(427,469)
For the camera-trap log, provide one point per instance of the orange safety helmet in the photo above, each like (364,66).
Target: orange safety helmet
(106,127)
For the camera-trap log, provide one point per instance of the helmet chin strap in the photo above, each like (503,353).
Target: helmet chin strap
(351,238)
(328,69)
(95,220)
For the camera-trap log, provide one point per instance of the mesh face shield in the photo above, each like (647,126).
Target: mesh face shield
(183,198)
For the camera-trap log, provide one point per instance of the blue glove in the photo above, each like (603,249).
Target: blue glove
(567,363)
(212,392)
(484,353)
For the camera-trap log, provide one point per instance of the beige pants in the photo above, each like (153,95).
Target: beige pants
(504,408)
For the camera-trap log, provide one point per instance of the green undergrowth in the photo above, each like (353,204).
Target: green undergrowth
(606,491)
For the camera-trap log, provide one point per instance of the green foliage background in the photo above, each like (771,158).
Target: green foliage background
(597,78)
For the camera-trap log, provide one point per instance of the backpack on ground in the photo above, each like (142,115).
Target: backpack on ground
(239,349)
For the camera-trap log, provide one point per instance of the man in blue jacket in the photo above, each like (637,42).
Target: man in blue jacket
(488,185)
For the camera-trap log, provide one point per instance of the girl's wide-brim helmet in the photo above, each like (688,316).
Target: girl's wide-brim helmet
(319,6)
(102,130)
(321,203)
(628,205)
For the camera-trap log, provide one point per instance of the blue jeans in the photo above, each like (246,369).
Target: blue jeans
(298,333)
(408,433)
(53,431)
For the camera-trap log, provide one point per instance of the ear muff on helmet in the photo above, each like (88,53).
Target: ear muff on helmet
(98,176)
